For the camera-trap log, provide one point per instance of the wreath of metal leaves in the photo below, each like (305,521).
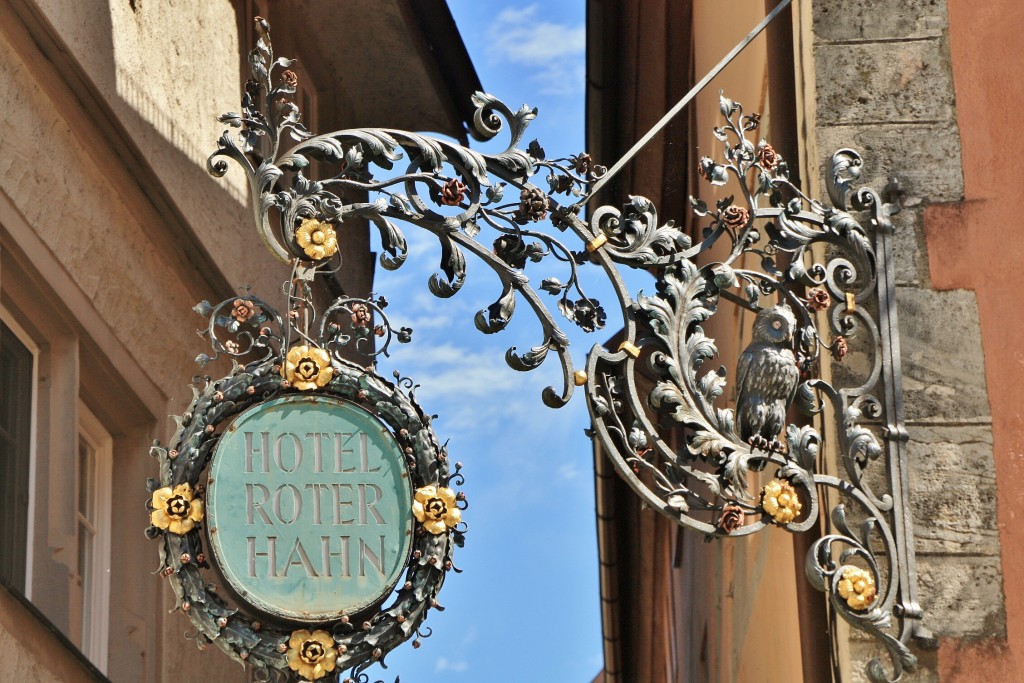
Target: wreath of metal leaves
(769,249)
(250,329)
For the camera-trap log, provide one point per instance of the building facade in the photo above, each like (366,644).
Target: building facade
(111,229)
(924,90)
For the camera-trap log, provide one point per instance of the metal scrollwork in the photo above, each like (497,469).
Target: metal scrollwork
(813,282)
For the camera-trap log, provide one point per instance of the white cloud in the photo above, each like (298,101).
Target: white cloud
(444,664)
(569,471)
(553,52)
(520,37)
(560,78)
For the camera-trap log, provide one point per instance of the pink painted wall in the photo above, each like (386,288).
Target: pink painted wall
(973,245)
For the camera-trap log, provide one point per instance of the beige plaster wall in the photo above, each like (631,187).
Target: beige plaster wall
(58,188)
(168,70)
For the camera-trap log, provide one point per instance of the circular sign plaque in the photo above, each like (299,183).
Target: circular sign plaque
(309,507)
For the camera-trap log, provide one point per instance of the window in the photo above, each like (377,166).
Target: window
(17,367)
(82,612)
(90,590)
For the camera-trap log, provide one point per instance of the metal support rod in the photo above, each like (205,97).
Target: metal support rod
(681,104)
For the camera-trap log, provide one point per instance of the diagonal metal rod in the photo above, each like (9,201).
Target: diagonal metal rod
(642,142)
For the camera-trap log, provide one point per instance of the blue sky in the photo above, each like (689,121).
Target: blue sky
(527,605)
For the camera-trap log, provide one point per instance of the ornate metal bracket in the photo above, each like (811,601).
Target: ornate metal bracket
(817,283)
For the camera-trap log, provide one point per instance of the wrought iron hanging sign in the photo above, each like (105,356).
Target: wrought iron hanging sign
(325,481)
(325,492)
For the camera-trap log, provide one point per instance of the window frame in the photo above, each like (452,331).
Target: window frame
(93,593)
(26,340)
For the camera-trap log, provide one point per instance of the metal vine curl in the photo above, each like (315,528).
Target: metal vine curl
(817,281)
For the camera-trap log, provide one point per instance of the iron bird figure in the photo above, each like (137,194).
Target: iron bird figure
(767,378)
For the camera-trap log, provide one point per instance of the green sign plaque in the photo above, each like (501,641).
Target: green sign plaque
(309,507)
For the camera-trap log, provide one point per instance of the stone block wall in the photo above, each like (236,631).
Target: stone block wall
(883,84)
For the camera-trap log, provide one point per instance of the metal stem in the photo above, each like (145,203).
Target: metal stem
(674,111)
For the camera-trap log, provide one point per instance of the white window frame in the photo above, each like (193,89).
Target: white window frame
(95,594)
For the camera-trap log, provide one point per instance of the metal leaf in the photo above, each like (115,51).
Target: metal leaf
(527,361)
(712,384)
(497,316)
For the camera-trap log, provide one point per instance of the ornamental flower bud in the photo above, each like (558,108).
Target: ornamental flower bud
(731,519)
(242,310)
(780,500)
(177,510)
(857,587)
(735,217)
(307,367)
(705,167)
(581,163)
(839,348)
(311,654)
(767,157)
(361,315)
(317,239)
(434,507)
(533,204)
(818,299)
(453,192)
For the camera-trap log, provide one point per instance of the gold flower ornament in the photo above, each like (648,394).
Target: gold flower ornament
(176,510)
(434,506)
(317,239)
(857,587)
(780,500)
(311,655)
(307,367)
